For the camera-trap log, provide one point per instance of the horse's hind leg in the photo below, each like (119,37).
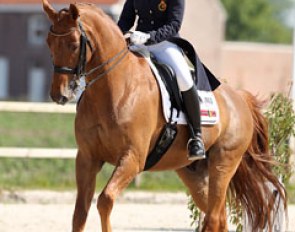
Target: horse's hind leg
(222,166)
(123,174)
(196,178)
(86,170)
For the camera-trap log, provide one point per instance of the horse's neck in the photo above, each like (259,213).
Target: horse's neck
(106,40)
(115,89)
(121,78)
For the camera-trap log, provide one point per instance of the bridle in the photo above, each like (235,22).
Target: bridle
(79,70)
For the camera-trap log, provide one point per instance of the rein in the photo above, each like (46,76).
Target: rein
(79,70)
(123,52)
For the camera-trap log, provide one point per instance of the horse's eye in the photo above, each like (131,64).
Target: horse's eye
(73,46)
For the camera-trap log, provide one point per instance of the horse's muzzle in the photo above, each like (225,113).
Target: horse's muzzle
(61,100)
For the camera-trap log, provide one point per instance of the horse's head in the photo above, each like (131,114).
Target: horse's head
(68,45)
(72,51)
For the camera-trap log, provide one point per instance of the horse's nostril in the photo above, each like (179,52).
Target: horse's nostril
(63,100)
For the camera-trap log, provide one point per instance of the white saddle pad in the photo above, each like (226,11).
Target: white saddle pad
(208,104)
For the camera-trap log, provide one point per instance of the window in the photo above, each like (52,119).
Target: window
(36,84)
(37,30)
(4,72)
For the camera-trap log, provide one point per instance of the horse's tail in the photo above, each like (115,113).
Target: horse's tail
(254,185)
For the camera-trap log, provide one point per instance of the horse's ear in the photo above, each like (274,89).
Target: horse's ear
(48,9)
(74,11)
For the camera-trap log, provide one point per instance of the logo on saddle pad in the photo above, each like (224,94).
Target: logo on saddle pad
(209,108)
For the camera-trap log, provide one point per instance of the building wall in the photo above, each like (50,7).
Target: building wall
(204,27)
(262,69)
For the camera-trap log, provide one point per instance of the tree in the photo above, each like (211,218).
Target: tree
(257,20)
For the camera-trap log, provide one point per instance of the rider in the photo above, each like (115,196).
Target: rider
(159,20)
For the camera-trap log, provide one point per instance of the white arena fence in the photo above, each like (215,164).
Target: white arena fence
(37,107)
(26,152)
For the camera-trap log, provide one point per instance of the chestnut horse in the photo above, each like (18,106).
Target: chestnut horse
(119,119)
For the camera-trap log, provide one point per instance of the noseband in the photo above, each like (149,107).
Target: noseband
(79,70)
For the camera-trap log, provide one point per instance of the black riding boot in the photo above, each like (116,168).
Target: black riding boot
(192,109)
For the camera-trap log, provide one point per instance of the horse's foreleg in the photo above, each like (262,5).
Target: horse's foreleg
(123,174)
(86,170)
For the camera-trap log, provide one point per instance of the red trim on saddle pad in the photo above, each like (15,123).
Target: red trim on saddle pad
(208,113)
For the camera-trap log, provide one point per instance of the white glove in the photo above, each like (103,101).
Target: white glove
(138,37)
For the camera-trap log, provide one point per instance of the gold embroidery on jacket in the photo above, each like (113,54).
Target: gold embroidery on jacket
(162,5)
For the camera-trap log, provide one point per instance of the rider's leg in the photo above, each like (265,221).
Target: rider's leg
(170,54)
(192,107)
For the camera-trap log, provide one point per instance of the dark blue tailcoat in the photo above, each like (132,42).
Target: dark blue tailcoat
(162,19)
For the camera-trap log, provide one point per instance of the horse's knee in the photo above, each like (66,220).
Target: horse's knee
(105,202)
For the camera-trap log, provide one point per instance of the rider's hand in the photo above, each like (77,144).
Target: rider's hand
(138,37)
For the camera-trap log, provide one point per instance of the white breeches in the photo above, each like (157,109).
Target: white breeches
(169,53)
